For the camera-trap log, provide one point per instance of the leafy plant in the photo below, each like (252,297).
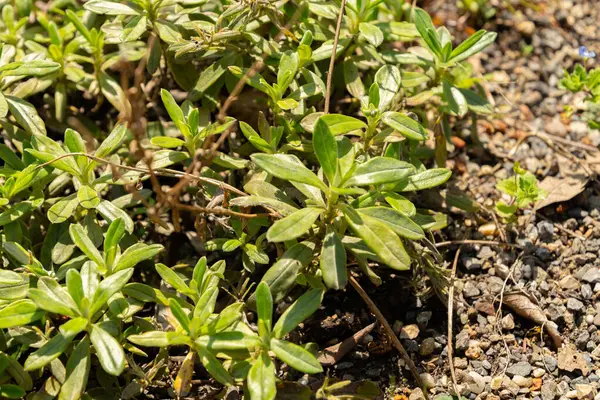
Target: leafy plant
(588,82)
(101,180)
(522,189)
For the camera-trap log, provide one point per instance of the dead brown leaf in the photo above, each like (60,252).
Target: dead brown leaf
(524,307)
(183,381)
(570,359)
(561,189)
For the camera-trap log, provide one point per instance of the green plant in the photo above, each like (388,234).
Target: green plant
(99,178)
(480,10)
(588,82)
(523,190)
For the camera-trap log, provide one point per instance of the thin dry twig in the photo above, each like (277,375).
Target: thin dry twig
(450,320)
(336,39)
(217,211)
(484,242)
(388,330)
(166,172)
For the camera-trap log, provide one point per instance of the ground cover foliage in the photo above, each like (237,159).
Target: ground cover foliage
(125,123)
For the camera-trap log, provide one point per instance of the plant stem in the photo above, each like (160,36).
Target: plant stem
(336,39)
(389,332)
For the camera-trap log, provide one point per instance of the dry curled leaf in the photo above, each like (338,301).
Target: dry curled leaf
(560,189)
(524,307)
(183,381)
(570,359)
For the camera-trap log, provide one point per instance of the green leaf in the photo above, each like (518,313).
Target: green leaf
(112,142)
(169,33)
(281,277)
(404,125)
(15,212)
(108,350)
(204,308)
(381,239)
(109,286)
(229,341)
(264,308)
(379,170)
(173,279)
(21,377)
(287,167)
(294,225)
(210,75)
(29,68)
(388,79)
(179,314)
(288,66)
(254,138)
(167,142)
(77,372)
(476,103)
(26,115)
(325,148)
(13,286)
(75,285)
(110,8)
(374,93)
(51,297)
(340,124)
(261,379)
(287,104)
(3,106)
(457,103)
(111,212)
(295,356)
(159,339)
(427,31)
(301,309)
(84,243)
(400,204)
(256,81)
(175,113)
(114,234)
(137,253)
(213,366)
(354,84)
(79,25)
(474,44)
(399,223)
(333,261)
(11,391)
(88,197)
(51,350)
(19,313)
(113,92)
(423,180)
(371,32)
(134,29)
(73,327)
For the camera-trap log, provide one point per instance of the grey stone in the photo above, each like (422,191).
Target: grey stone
(470,290)
(427,346)
(549,390)
(462,340)
(551,363)
(522,368)
(592,275)
(423,318)
(574,304)
(546,231)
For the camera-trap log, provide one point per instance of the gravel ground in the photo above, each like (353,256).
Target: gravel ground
(502,349)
